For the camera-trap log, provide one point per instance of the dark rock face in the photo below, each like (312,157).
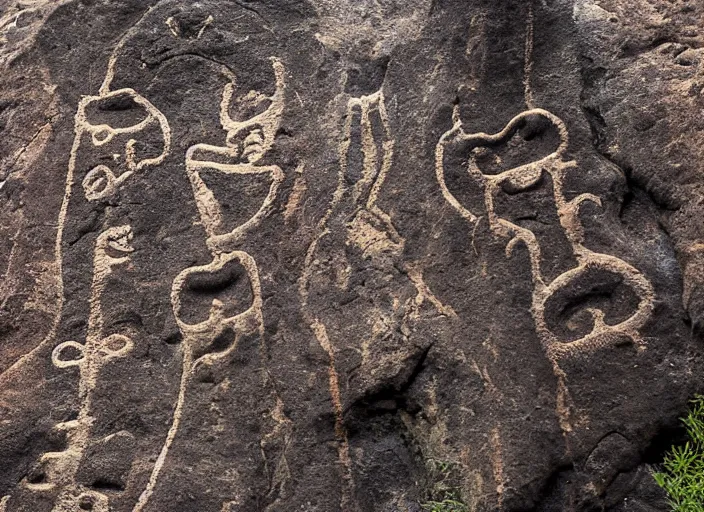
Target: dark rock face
(322,255)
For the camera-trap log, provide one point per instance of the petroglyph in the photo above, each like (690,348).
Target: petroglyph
(343,449)
(297,195)
(175,28)
(267,303)
(497,464)
(247,142)
(198,338)
(521,178)
(100,182)
(372,229)
(366,154)
(528,58)
(58,469)
(282,431)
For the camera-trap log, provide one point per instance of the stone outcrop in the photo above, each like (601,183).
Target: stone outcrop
(319,255)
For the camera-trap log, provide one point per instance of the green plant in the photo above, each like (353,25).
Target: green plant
(444,494)
(683,475)
(445,506)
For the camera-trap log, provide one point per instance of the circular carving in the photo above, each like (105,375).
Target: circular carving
(100,182)
(116,345)
(63,347)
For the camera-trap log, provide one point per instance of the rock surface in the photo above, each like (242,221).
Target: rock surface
(357,255)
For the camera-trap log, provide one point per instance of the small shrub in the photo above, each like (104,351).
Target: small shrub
(683,475)
(444,494)
(445,506)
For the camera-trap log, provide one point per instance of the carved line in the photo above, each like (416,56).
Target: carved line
(196,336)
(282,472)
(369,148)
(7,288)
(528,57)
(322,229)
(270,117)
(210,212)
(170,436)
(61,467)
(497,464)
(112,61)
(568,211)
(343,449)
(425,293)
(297,194)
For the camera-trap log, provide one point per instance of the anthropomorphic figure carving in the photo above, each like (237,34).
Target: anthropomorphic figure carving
(158,285)
(358,262)
(522,178)
(214,338)
(120,136)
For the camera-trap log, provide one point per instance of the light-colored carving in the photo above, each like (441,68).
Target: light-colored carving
(259,137)
(112,248)
(175,29)
(318,329)
(196,338)
(297,194)
(383,236)
(343,449)
(497,463)
(7,285)
(521,177)
(100,182)
(281,473)
(371,231)
(260,132)
(229,506)
(528,57)
(415,274)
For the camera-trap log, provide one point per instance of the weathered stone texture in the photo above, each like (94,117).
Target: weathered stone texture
(347,255)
